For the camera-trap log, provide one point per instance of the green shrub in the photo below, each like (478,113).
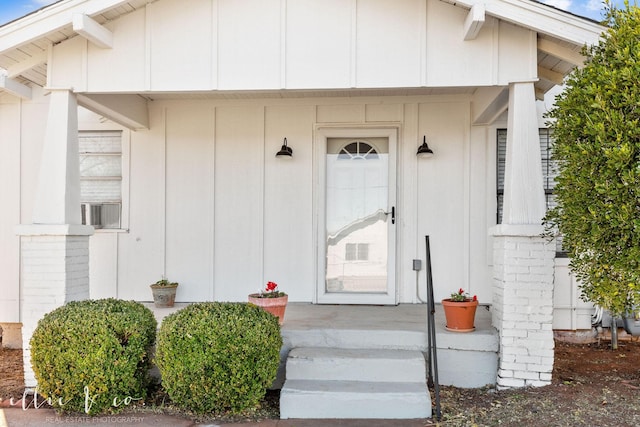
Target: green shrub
(94,356)
(218,356)
(596,127)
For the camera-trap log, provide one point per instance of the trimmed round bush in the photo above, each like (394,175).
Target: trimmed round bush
(93,356)
(218,357)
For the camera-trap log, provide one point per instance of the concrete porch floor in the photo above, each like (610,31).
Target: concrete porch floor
(411,318)
(464,359)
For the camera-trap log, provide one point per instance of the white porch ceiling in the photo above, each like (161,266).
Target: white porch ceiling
(35,47)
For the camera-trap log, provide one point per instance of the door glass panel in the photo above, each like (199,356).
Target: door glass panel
(357,223)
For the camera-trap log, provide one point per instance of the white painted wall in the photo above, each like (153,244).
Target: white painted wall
(570,312)
(22,130)
(189,198)
(302,44)
(10,214)
(288,204)
(442,210)
(206,201)
(141,250)
(211,206)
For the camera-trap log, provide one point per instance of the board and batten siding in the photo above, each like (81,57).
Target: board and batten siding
(212,207)
(20,156)
(10,171)
(301,44)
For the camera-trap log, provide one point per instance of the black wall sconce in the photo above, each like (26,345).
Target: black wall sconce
(285,151)
(424,151)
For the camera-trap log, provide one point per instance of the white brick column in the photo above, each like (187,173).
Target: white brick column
(523,305)
(54,249)
(55,270)
(523,260)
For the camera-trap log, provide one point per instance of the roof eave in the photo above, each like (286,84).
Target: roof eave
(49,19)
(541,18)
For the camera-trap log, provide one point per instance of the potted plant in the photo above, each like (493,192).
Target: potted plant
(460,311)
(272,300)
(164,292)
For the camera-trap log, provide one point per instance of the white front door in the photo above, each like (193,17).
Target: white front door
(357,234)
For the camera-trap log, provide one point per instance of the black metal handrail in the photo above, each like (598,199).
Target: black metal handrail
(431,334)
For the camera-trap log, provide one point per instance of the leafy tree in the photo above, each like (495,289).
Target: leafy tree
(595,124)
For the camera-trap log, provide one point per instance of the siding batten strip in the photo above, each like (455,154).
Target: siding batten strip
(147,46)
(466,149)
(353,77)
(212,207)
(163,198)
(215,60)
(262,195)
(423,43)
(283,44)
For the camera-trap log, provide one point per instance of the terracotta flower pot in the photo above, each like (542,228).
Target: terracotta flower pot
(460,315)
(275,306)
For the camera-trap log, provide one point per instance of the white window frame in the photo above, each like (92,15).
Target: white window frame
(125,158)
(322,132)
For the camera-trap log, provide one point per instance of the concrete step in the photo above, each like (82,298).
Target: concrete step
(354,399)
(467,360)
(323,382)
(321,336)
(382,365)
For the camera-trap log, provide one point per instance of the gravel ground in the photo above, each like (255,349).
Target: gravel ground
(592,386)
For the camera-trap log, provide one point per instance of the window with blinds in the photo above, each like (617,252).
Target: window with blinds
(549,173)
(101,178)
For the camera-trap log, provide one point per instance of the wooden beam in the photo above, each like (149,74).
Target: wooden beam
(488,103)
(541,19)
(560,52)
(92,31)
(14,88)
(16,69)
(550,75)
(474,21)
(128,110)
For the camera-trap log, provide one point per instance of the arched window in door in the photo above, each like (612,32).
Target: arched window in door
(358,150)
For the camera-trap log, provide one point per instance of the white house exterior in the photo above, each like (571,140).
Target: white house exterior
(201,95)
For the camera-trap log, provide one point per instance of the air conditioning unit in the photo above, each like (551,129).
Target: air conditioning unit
(101,215)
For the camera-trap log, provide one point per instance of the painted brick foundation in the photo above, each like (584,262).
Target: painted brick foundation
(523,305)
(55,270)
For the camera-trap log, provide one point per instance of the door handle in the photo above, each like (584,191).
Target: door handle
(393,214)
